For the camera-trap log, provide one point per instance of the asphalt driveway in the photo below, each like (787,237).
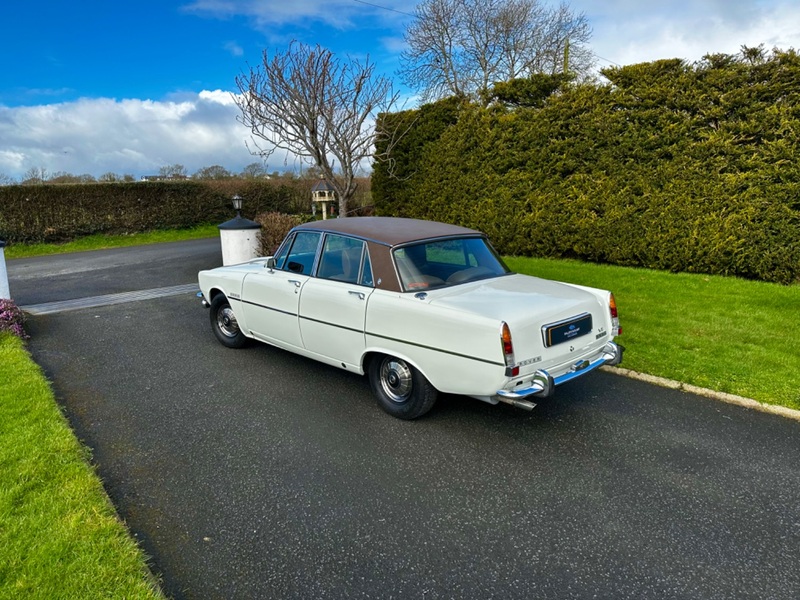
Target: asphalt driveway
(259,474)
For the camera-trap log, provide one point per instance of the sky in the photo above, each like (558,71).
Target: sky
(124,87)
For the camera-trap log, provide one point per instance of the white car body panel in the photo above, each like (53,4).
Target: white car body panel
(332,320)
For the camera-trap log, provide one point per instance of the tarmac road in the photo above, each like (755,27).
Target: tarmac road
(259,474)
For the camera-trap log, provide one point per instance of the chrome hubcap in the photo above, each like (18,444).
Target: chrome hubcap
(226,321)
(396,379)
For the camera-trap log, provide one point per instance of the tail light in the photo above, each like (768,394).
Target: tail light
(508,351)
(612,307)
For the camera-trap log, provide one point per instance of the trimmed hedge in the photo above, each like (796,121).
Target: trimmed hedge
(62,212)
(55,213)
(669,166)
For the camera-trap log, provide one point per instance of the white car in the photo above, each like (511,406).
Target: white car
(420,307)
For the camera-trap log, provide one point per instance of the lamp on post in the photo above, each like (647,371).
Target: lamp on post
(239,236)
(237,204)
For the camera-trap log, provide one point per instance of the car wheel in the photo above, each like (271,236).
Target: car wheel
(224,324)
(401,390)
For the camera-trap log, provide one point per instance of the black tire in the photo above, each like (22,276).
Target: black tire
(224,324)
(400,389)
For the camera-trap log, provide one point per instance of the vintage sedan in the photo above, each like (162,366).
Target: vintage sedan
(420,307)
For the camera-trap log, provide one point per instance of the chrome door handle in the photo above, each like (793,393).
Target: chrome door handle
(295,282)
(359,294)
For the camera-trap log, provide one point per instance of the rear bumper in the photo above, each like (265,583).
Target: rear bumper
(544,384)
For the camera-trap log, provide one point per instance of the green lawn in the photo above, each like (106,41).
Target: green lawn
(721,333)
(59,534)
(101,241)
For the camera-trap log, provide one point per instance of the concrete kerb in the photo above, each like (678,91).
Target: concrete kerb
(782,411)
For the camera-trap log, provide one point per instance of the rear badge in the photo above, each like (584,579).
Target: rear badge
(530,361)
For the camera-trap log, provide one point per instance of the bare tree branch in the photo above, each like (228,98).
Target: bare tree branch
(307,102)
(462,47)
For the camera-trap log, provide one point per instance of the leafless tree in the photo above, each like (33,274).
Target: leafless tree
(462,47)
(212,172)
(34,176)
(254,170)
(175,171)
(316,107)
(109,177)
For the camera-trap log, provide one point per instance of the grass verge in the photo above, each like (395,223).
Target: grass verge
(59,534)
(101,241)
(722,333)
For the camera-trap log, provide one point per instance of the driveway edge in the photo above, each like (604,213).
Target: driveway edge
(782,411)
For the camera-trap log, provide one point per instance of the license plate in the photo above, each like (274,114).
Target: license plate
(564,331)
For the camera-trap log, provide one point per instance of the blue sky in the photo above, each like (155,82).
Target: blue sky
(127,87)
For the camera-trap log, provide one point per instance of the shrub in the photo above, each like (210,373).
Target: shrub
(12,318)
(670,166)
(274,227)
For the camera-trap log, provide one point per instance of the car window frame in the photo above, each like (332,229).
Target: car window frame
(296,235)
(363,260)
(417,286)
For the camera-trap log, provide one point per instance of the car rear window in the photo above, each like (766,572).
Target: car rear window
(446,262)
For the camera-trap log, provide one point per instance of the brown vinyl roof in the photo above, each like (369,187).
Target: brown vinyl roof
(391,231)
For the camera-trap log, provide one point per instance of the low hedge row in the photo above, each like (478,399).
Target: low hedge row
(62,212)
(55,213)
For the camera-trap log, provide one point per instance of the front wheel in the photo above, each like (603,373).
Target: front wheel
(401,390)
(224,323)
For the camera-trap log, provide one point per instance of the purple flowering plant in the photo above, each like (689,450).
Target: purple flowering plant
(12,318)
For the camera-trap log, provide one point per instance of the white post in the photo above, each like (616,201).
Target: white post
(4,291)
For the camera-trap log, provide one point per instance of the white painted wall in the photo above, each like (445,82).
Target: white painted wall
(238,245)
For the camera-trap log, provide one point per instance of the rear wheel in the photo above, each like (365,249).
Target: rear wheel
(401,390)
(224,323)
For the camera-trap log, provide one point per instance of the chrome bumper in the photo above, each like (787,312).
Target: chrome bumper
(543,384)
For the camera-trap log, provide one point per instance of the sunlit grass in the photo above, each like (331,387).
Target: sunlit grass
(101,241)
(59,534)
(722,333)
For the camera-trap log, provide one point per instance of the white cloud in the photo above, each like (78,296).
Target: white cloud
(96,136)
(234,49)
(340,14)
(630,31)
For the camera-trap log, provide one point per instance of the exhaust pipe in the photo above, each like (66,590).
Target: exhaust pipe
(523,404)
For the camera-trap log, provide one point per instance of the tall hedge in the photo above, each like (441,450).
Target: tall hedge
(668,165)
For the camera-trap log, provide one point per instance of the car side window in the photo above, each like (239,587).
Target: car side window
(366,271)
(283,251)
(341,258)
(300,258)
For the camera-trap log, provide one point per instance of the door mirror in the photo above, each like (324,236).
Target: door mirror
(270,263)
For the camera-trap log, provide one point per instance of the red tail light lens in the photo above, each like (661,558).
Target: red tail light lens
(512,370)
(508,346)
(612,307)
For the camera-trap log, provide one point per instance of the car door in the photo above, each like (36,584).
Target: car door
(271,297)
(333,305)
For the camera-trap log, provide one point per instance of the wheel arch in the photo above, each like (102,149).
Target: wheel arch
(375,354)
